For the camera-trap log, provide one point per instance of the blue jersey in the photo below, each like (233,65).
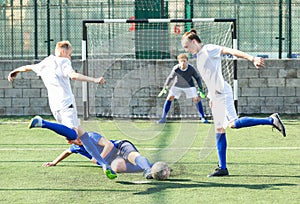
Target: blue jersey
(80,150)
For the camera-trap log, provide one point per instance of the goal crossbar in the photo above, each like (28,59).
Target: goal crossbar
(85,22)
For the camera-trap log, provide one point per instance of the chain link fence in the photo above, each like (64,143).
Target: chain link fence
(30,29)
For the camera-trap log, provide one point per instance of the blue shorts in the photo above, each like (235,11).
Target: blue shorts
(125,147)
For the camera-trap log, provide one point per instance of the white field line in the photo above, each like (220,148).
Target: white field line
(156,149)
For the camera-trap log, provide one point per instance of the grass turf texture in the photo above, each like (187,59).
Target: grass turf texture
(264,167)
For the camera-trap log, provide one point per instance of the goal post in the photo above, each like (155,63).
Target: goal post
(129,46)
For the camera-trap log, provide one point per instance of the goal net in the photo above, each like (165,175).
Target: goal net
(136,56)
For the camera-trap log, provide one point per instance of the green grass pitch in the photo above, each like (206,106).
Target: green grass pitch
(264,167)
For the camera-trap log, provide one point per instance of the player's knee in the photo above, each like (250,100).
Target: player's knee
(171,98)
(231,124)
(132,156)
(220,130)
(118,165)
(196,99)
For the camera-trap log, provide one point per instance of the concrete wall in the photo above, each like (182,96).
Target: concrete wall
(132,90)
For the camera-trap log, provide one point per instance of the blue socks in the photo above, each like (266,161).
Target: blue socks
(248,122)
(167,106)
(60,129)
(131,168)
(221,147)
(142,162)
(200,109)
(91,148)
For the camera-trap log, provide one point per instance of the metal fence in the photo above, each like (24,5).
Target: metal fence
(30,28)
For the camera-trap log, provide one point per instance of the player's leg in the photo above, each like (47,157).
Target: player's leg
(220,115)
(91,147)
(192,93)
(130,153)
(60,129)
(119,165)
(199,107)
(166,109)
(273,120)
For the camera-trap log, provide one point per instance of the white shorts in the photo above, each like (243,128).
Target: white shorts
(190,92)
(67,116)
(223,110)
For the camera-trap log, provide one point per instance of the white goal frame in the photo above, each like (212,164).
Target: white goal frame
(85,90)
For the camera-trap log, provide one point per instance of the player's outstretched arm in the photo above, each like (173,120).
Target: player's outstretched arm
(58,159)
(258,62)
(15,72)
(80,77)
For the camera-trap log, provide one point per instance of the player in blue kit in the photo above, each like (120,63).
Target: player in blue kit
(121,155)
(56,72)
(220,93)
(182,76)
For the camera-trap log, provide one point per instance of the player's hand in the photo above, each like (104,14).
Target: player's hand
(100,80)
(47,164)
(11,76)
(259,62)
(163,92)
(201,93)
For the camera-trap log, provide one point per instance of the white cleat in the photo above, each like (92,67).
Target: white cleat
(35,122)
(278,124)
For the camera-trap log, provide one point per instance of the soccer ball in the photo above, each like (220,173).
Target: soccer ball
(160,171)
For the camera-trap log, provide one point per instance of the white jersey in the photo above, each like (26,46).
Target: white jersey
(54,73)
(210,68)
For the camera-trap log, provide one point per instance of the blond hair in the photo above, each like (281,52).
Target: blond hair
(182,56)
(63,45)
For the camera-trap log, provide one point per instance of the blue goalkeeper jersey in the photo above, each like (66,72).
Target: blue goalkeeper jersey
(183,78)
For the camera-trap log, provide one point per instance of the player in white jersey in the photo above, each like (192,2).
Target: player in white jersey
(220,93)
(56,72)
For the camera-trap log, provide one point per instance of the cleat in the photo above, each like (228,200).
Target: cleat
(147,174)
(219,172)
(162,120)
(110,173)
(204,120)
(35,122)
(278,124)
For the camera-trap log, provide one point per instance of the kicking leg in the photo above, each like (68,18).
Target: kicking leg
(273,120)
(60,129)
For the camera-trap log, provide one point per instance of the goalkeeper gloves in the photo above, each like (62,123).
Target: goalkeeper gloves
(201,92)
(163,92)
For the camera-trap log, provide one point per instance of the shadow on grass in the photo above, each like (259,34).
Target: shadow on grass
(65,190)
(157,186)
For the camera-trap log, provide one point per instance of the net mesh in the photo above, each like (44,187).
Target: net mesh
(136,58)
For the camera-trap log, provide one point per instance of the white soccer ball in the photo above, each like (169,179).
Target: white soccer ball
(160,171)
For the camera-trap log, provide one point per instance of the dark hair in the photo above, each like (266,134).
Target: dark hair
(192,34)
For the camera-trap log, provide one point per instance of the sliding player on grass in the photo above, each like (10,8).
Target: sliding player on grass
(182,76)
(220,93)
(121,155)
(56,72)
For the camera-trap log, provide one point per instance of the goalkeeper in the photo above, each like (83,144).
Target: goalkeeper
(183,75)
